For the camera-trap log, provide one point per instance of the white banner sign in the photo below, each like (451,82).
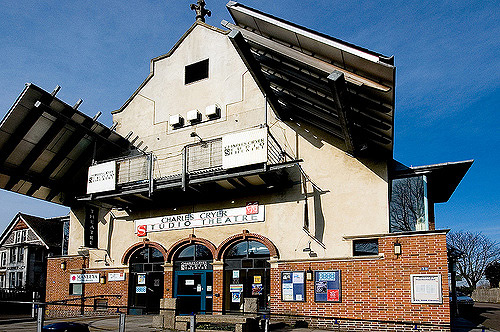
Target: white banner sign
(87,278)
(116,276)
(241,215)
(245,148)
(426,288)
(101,177)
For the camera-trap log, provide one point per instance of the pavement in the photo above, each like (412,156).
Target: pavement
(144,324)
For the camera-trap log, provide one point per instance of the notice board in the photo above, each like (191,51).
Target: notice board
(293,286)
(327,286)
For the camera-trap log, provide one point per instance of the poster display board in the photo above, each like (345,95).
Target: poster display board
(327,286)
(293,286)
(426,289)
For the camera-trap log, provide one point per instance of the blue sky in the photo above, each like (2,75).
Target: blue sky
(447,78)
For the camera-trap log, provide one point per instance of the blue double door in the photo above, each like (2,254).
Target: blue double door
(194,291)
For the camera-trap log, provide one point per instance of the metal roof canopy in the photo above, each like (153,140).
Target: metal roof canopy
(46,147)
(343,89)
(442,179)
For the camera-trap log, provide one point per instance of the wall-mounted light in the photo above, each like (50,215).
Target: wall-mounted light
(308,248)
(397,248)
(102,279)
(309,274)
(63,265)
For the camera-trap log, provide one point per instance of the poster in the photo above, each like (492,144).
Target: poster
(257,279)
(256,289)
(327,286)
(141,278)
(116,276)
(235,297)
(140,289)
(293,286)
(236,288)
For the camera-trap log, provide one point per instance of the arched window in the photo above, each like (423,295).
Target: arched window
(146,259)
(246,264)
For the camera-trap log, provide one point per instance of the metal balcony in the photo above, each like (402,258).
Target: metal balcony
(143,179)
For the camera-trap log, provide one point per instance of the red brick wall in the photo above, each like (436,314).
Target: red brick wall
(375,289)
(218,288)
(58,287)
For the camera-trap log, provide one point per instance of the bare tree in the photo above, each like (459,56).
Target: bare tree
(477,252)
(407,206)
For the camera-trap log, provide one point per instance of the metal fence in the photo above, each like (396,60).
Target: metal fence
(103,317)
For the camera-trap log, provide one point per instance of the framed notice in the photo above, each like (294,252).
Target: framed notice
(327,286)
(292,286)
(426,289)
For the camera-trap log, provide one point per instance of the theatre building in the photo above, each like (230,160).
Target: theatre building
(251,170)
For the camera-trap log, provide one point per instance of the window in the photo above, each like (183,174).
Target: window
(13,255)
(24,232)
(3,259)
(365,247)
(19,280)
(1,281)
(20,254)
(12,280)
(408,208)
(75,289)
(196,72)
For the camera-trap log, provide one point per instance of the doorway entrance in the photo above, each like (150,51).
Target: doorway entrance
(246,274)
(193,279)
(146,281)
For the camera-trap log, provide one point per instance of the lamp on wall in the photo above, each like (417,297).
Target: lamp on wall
(102,279)
(63,265)
(397,249)
(309,274)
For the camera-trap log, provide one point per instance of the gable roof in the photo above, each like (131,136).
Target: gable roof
(168,54)
(49,231)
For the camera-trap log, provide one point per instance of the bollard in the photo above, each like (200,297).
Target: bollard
(266,324)
(39,318)
(192,323)
(121,327)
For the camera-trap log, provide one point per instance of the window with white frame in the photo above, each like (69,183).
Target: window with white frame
(20,254)
(13,256)
(24,233)
(3,259)
(19,279)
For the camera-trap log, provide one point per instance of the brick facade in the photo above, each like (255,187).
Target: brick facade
(376,289)
(58,288)
(375,295)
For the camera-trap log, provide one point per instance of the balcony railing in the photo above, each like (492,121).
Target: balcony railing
(195,160)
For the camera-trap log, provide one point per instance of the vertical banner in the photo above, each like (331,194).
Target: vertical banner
(91,221)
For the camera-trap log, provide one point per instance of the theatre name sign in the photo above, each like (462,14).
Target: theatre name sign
(253,212)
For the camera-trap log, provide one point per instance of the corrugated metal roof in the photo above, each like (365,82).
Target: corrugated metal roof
(338,87)
(46,147)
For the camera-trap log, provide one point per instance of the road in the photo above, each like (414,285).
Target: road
(486,314)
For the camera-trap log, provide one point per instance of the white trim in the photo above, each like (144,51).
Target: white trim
(307,34)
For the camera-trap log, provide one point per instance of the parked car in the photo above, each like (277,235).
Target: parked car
(66,327)
(464,303)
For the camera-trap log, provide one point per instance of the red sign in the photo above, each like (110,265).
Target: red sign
(333,295)
(252,208)
(141,230)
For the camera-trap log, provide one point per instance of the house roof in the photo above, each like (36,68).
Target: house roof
(341,88)
(48,230)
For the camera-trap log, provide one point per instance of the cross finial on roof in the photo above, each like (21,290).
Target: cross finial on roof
(200,10)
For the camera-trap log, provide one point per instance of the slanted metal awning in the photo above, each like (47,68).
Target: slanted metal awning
(46,147)
(442,179)
(343,89)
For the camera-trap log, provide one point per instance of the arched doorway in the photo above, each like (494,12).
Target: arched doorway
(146,280)
(193,279)
(246,268)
